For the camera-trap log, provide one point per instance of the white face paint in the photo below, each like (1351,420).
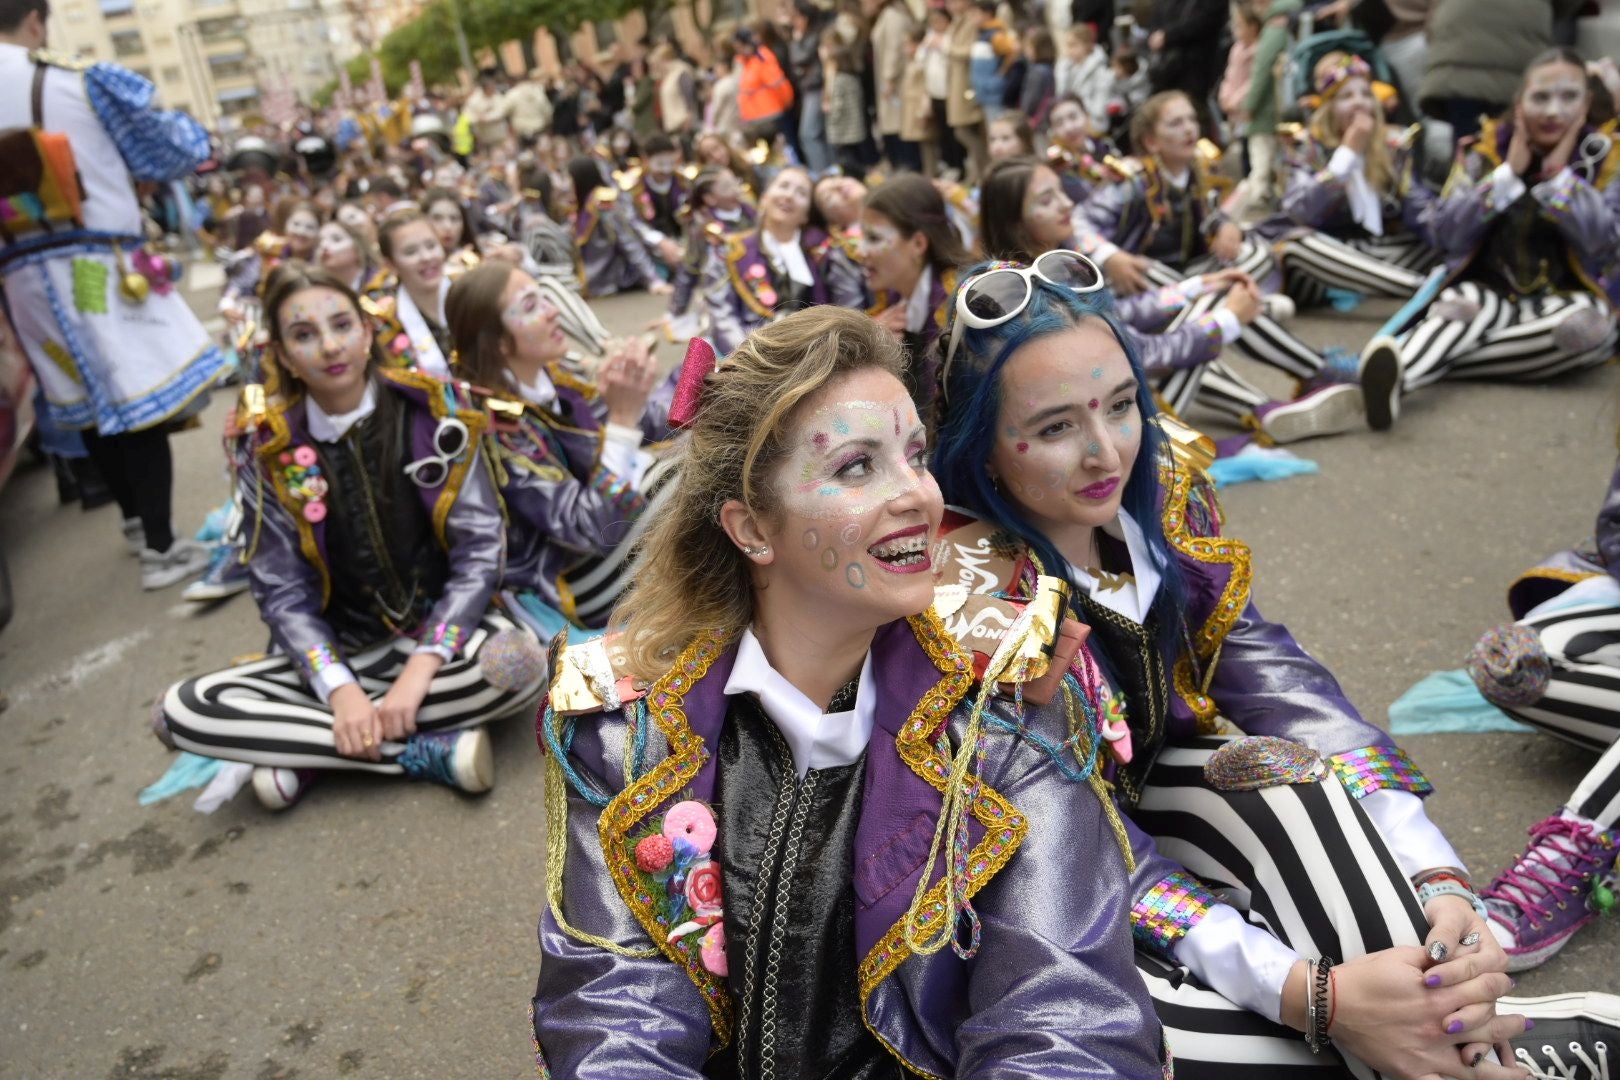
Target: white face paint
(1554,97)
(335,248)
(324,341)
(1354,98)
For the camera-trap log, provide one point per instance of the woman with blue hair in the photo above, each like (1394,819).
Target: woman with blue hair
(1305,841)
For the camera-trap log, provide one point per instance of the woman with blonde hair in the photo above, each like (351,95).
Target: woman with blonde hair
(753,781)
(1352,214)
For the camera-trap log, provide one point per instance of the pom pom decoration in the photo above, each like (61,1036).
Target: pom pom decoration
(700,361)
(1583,330)
(1262,761)
(1509,666)
(654,853)
(512,660)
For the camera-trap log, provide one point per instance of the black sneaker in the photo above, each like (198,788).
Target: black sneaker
(1576,1037)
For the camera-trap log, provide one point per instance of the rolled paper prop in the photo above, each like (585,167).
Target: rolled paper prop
(699,362)
(1025,653)
(1509,666)
(512,660)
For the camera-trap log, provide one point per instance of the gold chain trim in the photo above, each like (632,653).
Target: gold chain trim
(735,250)
(632,805)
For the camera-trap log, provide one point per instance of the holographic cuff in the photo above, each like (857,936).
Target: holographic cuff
(321,657)
(446,635)
(1167,911)
(1557,193)
(1373,768)
(617,490)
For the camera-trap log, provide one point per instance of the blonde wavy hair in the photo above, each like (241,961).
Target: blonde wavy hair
(1324,127)
(690,577)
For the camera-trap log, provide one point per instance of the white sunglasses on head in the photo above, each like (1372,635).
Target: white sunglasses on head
(1001,294)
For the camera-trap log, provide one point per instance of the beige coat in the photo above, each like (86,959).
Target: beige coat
(889,34)
(961,108)
(916,120)
(674,106)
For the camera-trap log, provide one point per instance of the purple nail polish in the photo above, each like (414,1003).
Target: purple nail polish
(1454,1027)
(1432,980)
(1528,1023)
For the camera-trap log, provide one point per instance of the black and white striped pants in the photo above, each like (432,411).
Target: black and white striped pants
(574,314)
(1506,339)
(1315,261)
(262,712)
(1582,702)
(1301,860)
(1215,385)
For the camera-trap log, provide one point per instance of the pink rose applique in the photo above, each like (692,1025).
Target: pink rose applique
(703,892)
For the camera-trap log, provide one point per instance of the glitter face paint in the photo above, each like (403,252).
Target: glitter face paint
(324,341)
(531,321)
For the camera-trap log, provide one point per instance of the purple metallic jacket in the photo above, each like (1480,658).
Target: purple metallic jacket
(1053,991)
(1132,212)
(610,255)
(287,559)
(741,290)
(1316,197)
(561,503)
(1593,558)
(1582,202)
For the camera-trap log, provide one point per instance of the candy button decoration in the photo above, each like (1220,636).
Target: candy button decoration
(301,471)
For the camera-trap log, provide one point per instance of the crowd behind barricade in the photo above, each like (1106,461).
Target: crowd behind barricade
(991,259)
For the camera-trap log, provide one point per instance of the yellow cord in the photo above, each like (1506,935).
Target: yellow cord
(557,856)
(1104,790)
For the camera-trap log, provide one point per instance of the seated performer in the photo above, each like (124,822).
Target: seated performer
(609,253)
(1528,224)
(1079,159)
(1558,668)
(751,785)
(452,223)
(374,546)
(567,456)
(716,208)
(1353,211)
(406,299)
(1315,833)
(345,255)
(1160,225)
(769,271)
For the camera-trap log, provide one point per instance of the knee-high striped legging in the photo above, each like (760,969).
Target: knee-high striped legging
(1216,385)
(1314,262)
(1582,701)
(1303,861)
(578,320)
(262,713)
(1506,339)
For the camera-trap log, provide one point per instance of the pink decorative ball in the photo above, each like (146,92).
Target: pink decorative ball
(654,853)
(713,950)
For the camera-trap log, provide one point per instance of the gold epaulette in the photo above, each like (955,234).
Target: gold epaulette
(1189,448)
(591,677)
(627,179)
(605,197)
(54,59)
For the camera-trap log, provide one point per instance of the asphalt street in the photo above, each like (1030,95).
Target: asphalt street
(386,929)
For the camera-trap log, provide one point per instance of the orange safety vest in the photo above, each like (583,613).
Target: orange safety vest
(763,91)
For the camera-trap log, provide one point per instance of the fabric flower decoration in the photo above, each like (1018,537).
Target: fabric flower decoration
(683,883)
(301,472)
(703,892)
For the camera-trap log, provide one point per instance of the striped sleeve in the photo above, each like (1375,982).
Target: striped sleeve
(155,144)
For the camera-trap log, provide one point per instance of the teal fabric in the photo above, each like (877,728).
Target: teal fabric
(188,771)
(1259,463)
(1447,702)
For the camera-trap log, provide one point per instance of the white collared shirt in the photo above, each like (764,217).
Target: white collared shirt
(818,740)
(917,309)
(1132,599)
(621,446)
(327,428)
(1365,209)
(429,358)
(788,258)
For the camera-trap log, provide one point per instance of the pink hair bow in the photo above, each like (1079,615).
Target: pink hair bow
(700,361)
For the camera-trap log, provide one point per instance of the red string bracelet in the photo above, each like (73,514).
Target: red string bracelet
(1333,996)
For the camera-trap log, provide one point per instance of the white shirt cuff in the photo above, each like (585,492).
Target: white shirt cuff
(1505,187)
(1413,839)
(1239,961)
(1231,328)
(622,454)
(329,678)
(1190,288)
(1344,162)
(1104,252)
(444,652)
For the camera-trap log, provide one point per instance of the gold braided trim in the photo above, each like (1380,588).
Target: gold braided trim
(1551,573)
(1005,826)
(735,250)
(1233,599)
(280,436)
(632,805)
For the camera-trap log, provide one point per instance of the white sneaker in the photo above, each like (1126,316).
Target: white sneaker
(134,535)
(278,789)
(1381,374)
(1278,307)
(1328,410)
(184,558)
